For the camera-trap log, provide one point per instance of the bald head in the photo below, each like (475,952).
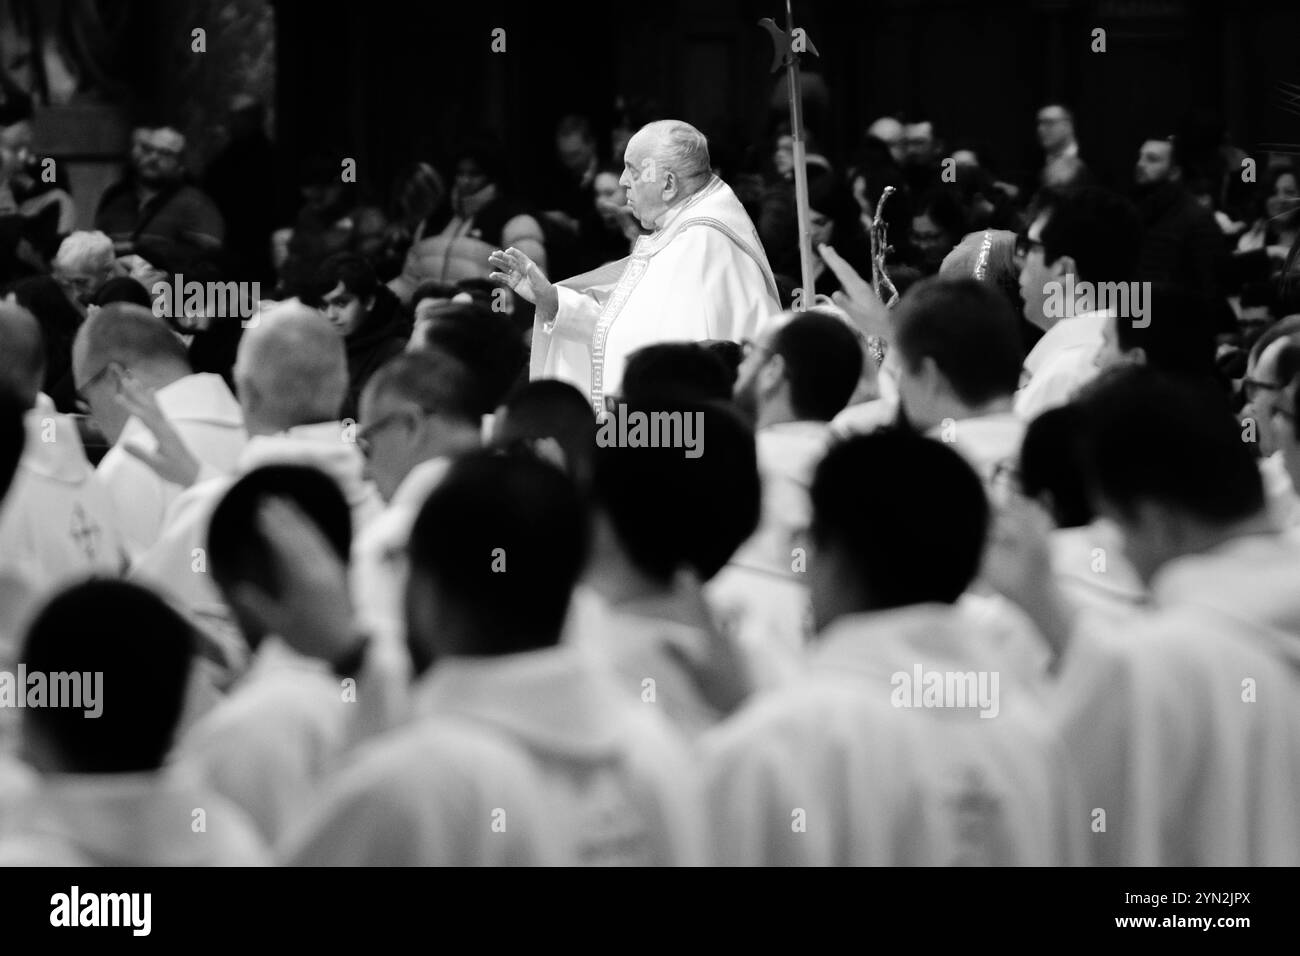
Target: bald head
(133,337)
(666,162)
(22,353)
(291,370)
(890,132)
(123,341)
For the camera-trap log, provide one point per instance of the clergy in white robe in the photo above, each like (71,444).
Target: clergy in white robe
(104,795)
(562,767)
(701,273)
(956,359)
(915,738)
(432,793)
(1185,724)
(58,522)
(177,563)
(124,348)
(292,375)
(269,744)
(665,524)
(125,819)
(1083,249)
(857,763)
(208,418)
(553,767)
(792,383)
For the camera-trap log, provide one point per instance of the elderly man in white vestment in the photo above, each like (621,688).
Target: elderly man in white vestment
(700,274)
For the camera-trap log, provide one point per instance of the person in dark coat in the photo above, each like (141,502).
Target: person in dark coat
(1181,243)
(370,318)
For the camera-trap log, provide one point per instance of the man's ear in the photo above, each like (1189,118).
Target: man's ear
(671,186)
(1137,355)
(772,374)
(1064,265)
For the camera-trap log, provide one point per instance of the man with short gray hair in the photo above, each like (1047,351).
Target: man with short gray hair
(123,350)
(84,262)
(700,274)
(291,376)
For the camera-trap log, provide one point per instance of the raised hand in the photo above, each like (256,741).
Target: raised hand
(312,612)
(171,459)
(519,273)
(858,299)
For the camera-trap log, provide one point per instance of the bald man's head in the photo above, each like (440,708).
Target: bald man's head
(22,353)
(291,370)
(123,340)
(666,162)
(890,132)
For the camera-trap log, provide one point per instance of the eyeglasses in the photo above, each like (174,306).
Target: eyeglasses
(367,434)
(1025,245)
(83,403)
(149,148)
(1251,387)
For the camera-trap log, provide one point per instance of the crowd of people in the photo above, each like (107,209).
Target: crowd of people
(999,574)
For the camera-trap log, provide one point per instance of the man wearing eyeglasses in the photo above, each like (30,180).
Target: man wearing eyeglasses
(1084,238)
(700,274)
(153,212)
(1262,387)
(123,349)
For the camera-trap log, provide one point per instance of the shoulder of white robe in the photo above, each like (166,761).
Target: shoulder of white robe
(758,259)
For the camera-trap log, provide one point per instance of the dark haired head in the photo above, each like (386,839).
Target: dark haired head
(1098,229)
(967,329)
(486,341)
(1176,335)
(1160,453)
(355,273)
(123,289)
(888,556)
(822,360)
(687,369)
(22,352)
(238,553)
(549,409)
(495,553)
(671,512)
(133,653)
(1051,465)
